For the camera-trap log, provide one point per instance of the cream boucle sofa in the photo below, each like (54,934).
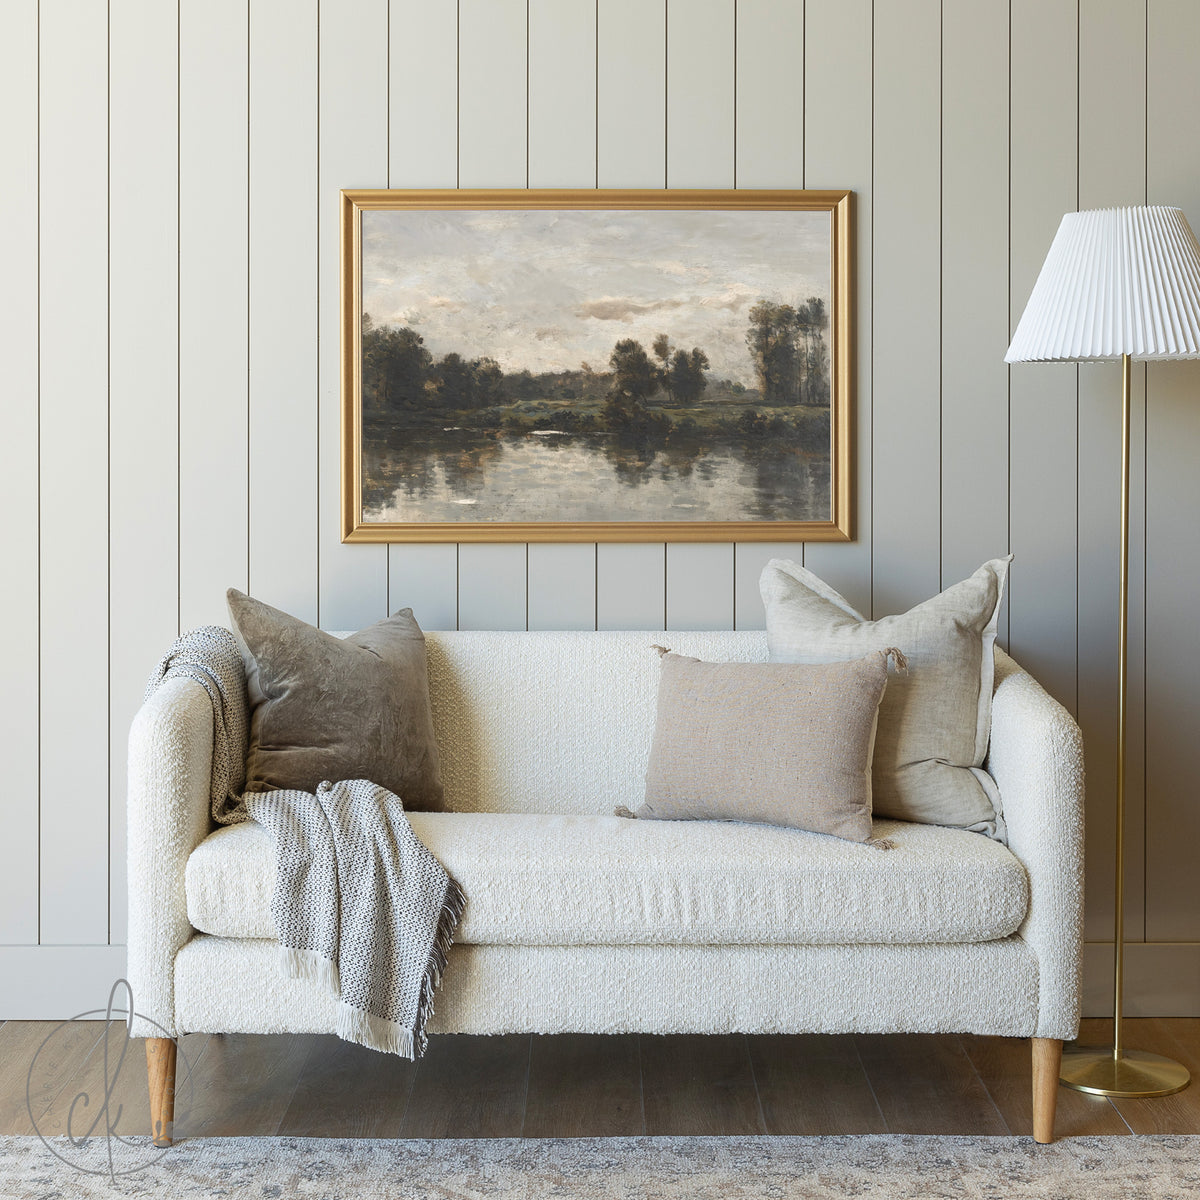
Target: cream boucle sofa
(580,921)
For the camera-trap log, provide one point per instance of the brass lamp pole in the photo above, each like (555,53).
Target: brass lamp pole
(1117,283)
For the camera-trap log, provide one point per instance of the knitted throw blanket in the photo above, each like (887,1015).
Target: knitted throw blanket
(361,907)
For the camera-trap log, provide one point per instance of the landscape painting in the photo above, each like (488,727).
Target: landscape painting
(590,366)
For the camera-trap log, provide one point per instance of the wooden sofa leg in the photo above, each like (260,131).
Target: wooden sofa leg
(160,1071)
(1047,1062)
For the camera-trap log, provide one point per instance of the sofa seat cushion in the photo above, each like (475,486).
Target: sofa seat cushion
(534,879)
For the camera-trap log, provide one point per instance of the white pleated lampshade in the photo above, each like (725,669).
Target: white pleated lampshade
(1116,281)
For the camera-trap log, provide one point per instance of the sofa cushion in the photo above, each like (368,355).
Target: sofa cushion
(778,743)
(533,879)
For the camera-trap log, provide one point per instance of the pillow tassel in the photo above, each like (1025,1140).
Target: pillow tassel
(899,661)
(622,811)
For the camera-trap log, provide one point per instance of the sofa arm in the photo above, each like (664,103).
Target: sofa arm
(1036,758)
(170,764)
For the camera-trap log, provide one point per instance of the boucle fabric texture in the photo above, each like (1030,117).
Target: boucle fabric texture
(329,708)
(776,743)
(1036,757)
(935,718)
(168,816)
(572,880)
(982,987)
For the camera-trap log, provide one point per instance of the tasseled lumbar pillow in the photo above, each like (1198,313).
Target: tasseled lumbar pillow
(772,743)
(935,720)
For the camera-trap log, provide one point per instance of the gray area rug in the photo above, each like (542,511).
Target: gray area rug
(642,1168)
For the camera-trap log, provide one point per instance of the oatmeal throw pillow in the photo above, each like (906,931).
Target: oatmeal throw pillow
(773,743)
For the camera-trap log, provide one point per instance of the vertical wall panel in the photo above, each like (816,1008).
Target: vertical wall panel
(1172,502)
(492,80)
(700,585)
(492,153)
(700,154)
(631,93)
(770,95)
(353,149)
(74,471)
(906,504)
(770,153)
(974,286)
(1112,115)
(213,315)
(491,586)
(423,93)
(19,467)
(838,88)
(144,372)
(562,153)
(423,152)
(283,305)
(1042,492)
(562,93)
(749,560)
(425,578)
(631,584)
(562,585)
(631,108)
(700,118)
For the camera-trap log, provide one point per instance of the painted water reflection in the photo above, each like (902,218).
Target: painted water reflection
(473,475)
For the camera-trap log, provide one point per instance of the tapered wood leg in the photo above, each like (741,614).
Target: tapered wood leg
(160,1071)
(1047,1062)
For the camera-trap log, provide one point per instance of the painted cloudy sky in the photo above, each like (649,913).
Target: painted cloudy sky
(549,289)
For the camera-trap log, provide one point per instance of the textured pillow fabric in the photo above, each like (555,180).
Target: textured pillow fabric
(327,708)
(935,720)
(772,743)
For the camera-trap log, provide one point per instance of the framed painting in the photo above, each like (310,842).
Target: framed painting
(596,366)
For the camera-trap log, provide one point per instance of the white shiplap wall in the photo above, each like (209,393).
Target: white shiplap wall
(168,340)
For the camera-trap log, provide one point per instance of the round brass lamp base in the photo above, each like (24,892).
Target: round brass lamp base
(1136,1074)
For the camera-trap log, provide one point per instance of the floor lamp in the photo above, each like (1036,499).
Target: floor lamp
(1122,283)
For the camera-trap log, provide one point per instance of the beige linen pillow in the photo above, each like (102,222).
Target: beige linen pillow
(935,720)
(327,708)
(773,743)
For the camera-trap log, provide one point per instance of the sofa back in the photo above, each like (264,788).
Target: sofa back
(555,722)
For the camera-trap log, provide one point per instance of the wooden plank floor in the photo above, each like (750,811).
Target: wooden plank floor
(579,1085)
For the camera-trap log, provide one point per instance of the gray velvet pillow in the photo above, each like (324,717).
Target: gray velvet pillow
(327,708)
(772,743)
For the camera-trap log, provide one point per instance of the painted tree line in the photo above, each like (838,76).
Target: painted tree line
(787,345)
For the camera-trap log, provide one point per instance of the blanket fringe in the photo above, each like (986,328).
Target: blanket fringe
(376,1033)
(310,966)
(452,910)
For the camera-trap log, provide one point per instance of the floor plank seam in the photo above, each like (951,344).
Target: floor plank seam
(862,1066)
(762,1119)
(987,1091)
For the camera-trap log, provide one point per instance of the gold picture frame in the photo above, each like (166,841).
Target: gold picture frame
(505,440)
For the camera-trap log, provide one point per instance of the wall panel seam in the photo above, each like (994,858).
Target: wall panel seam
(178,316)
(38,473)
(249,309)
(108,730)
